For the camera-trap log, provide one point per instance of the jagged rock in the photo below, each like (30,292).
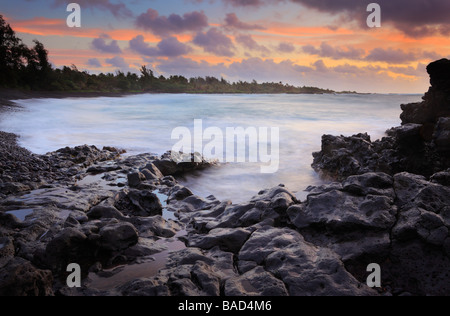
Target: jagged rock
(69,246)
(99,212)
(284,253)
(7,250)
(228,239)
(177,163)
(85,155)
(103,168)
(436,102)
(370,183)
(155,226)
(138,203)
(264,241)
(267,208)
(441,135)
(420,146)
(147,175)
(118,236)
(322,272)
(13,188)
(20,278)
(179,193)
(206,278)
(407,186)
(418,267)
(221,261)
(341,211)
(271,245)
(189,256)
(419,223)
(341,156)
(256,282)
(433,198)
(134,179)
(151,172)
(442,178)
(145,287)
(192,204)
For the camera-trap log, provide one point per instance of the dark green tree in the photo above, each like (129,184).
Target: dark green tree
(12,55)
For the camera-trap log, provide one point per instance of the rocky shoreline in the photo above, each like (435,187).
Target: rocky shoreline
(134,230)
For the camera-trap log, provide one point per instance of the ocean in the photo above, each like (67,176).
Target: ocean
(145,123)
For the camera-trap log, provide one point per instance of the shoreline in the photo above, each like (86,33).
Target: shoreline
(8,96)
(389,206)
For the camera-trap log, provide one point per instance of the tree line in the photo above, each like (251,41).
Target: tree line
(28,68)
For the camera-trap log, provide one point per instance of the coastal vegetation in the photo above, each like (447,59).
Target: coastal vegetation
(28,68)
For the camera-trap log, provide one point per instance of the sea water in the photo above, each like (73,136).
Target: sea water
(144,123)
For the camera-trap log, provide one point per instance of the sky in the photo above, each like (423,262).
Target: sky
(322,43)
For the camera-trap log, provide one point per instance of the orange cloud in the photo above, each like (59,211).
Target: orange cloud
(58,27)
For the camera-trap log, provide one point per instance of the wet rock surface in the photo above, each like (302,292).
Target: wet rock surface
(420,146)
(400,187)
(271,245)
(134,230)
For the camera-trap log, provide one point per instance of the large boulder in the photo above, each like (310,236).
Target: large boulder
(20,278)
(421,145)
(305,269)
(228,239)
(441,135)
(138,203)
(436,102)
(256,282)
(173,163)
(68,246)
(340,211)
(118,236)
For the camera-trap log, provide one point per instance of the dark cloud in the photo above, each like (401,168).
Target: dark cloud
(215,42)
(117,61)
(168,47)
(398,56)
(171,47)
(418,71)
(119,10)
(248,42)
(326,50)
(174,23)
(286,47)
(244,3)
(233,22)
(94,62)
(101,45)
(391,56)
(387,55)
(416,18)
(139,45)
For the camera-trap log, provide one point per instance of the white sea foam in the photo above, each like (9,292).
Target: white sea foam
(144,123)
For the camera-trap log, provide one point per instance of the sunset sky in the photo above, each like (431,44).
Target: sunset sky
(301,42)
